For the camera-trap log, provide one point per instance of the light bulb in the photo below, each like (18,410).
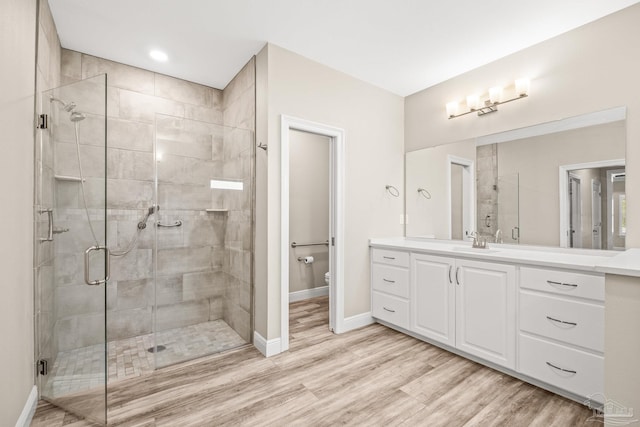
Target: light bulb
(452,109)
(495,94)
(472,102)
(522,87)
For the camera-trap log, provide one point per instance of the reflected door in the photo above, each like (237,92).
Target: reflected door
(575,212)
(508,209)
(596,215)
(71,261)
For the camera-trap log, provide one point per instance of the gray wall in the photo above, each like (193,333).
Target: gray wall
(239,153)
(17,54)
(308,208)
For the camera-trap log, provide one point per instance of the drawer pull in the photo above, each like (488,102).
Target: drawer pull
(569,371)
(571,285)
(389,257)
(389,310)
(389,281)
(450,281)
(562,321)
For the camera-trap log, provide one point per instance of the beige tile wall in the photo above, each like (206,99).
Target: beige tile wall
(239,156)
(202,266)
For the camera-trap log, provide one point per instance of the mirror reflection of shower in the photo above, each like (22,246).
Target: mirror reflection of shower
(76,117)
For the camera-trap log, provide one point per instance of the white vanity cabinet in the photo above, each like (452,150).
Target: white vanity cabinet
(390,286)
(469,305)
(433,301)
(561,336)
(486,311)
(537,315)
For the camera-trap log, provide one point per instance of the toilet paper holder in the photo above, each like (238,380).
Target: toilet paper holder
(306,259)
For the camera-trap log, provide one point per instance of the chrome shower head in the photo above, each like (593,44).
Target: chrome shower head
(67,106)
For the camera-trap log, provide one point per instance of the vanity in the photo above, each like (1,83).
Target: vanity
(550,200)
(533,313)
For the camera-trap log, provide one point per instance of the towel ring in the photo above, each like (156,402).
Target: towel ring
(424,193)
(392,190)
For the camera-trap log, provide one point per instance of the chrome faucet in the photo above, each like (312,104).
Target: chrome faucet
(478,242)
(498,236)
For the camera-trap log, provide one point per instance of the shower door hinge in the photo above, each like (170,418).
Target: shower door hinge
(42,366)
(43,121)
(333,241)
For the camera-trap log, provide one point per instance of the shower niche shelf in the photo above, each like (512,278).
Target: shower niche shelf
(67,178)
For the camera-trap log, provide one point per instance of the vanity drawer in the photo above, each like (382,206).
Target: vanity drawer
(573,322)
(390,279)
(563,282)
(390,309)
(583,373)
(384,256)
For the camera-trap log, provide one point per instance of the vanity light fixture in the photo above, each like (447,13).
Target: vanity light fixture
(489,105)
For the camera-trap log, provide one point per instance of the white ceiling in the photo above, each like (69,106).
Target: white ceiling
(400,45)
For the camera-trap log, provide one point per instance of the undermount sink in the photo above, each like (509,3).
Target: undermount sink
(474,250)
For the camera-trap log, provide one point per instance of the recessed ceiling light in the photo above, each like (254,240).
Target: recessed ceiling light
(158,55)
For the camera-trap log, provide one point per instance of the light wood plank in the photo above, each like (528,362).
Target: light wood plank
(373,376)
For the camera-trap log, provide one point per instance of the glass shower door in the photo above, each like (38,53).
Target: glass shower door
(71,260)
(204,230)
(508,207)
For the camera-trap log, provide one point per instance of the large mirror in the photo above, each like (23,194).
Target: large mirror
(554,184)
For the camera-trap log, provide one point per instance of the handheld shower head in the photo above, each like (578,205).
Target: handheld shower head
(143,224)
(76,116)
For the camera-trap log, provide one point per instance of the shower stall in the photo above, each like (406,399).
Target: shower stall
(143,250)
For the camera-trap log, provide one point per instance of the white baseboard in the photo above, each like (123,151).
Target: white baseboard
(320,291)
(357,321)
(267,348)
(29,409)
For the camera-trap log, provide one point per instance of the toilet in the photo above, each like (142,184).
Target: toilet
(327,278)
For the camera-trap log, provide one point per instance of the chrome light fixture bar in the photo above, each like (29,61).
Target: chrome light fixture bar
(490,104)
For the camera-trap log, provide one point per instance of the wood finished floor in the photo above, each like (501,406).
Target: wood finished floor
(373,376)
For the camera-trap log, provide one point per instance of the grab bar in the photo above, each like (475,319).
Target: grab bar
(178,223)
(295,245)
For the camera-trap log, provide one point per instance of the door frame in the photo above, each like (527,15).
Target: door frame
(575,204)
(336,221)
(610,207)
(596,207)
(468,195)
(563,181)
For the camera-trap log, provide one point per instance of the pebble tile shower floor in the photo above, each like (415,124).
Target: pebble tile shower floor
(82,369)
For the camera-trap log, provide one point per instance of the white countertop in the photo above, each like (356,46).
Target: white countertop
(626,263)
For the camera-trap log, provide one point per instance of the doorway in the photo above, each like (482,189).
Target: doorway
(575,211)
(335,237)
(592,205)
(309,213)
(460,183)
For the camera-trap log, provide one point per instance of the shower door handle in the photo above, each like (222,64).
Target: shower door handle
(107,265)
(49,213)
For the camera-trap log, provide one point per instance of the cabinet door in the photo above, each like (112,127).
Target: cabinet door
(485,311)
(433,297)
